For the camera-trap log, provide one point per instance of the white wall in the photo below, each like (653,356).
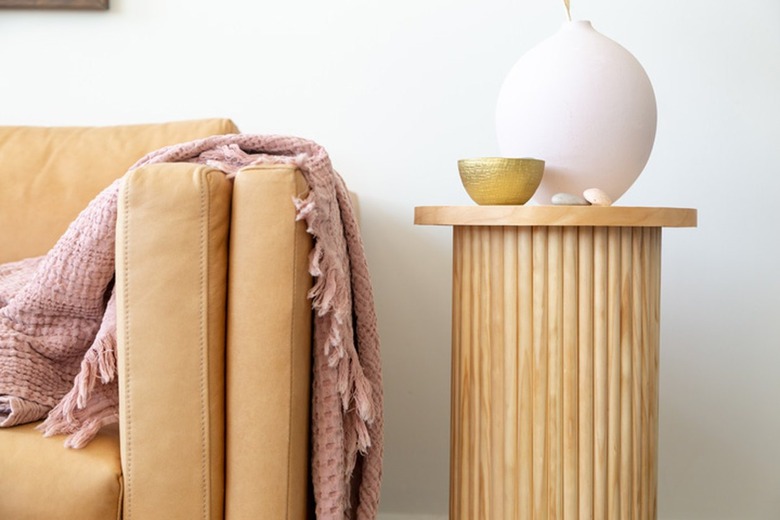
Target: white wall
(398,91)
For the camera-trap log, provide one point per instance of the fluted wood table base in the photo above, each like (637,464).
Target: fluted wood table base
(555,372)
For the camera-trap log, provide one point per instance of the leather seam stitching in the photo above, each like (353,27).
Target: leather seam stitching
(203,343)
(127,382)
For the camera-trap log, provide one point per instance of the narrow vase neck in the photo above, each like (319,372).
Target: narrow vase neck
(577,25)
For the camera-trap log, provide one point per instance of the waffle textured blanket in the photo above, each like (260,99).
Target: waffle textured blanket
(58,324)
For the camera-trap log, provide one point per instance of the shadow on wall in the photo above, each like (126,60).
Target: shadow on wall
(719,426)
(689,446)
(411,271)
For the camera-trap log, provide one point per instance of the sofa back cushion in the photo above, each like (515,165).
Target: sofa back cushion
(49,174)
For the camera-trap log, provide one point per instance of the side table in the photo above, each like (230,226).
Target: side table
(555,345)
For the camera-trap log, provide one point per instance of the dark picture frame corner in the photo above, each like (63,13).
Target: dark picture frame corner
(95,5)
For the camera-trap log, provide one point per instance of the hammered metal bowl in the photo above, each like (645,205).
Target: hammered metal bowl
(500,180)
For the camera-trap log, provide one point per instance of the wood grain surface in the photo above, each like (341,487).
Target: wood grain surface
(555,372)
(612,216)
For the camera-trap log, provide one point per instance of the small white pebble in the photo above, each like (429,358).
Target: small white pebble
(597,197)
(568,199)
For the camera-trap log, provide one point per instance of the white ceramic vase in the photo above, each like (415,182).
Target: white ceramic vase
(583,104)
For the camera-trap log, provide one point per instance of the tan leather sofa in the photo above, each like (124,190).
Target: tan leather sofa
(214,331)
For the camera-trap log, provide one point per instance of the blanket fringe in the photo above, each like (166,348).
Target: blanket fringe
(99,364)
(330,285)
(81,428)
(89,429)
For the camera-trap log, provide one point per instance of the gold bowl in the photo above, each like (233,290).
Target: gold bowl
(500,180)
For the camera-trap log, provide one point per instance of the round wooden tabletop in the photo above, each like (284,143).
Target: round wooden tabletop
(628,216)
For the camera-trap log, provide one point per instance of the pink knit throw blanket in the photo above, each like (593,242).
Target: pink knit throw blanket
(58,324)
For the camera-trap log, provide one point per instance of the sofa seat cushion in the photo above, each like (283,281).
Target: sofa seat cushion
(40,478)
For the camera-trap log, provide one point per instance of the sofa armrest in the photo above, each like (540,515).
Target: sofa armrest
(172,235)
(268,349)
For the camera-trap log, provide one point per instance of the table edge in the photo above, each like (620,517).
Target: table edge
(611,216)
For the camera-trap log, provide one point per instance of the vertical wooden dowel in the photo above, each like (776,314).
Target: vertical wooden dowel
(540,371)
(475,437)
(555,373)
(638,348)
(626,374)
(647,387)
(457,421)
(526,347)
(613,374)
(654,311)
(496,368)
(485,380)
(462,383)
(586,389)
(511,286)
(570,369)
(600,372)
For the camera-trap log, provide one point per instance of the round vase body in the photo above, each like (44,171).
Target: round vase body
(583,104)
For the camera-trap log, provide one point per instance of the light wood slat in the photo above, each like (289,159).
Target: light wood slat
(472,436)
(495,370)
(530,215)
(637,408)
(525,258)
(570,374)
(600,372)
(613,373)
(484,386)
(540,342)
(468,379)
(647,347)
(512,382)
(462,375)
(654,311)
(585,359)
(458,375)
(555,373)
(626,375)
